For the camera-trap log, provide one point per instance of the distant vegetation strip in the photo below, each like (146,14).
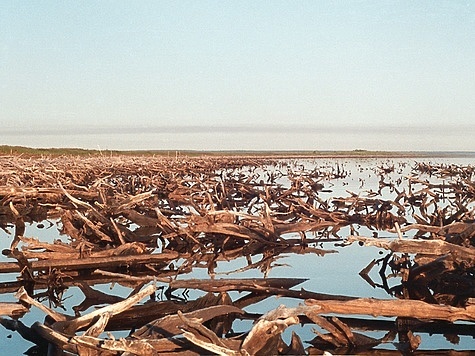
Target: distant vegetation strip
(30,151)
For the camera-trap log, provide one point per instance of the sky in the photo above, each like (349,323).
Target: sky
(103,68)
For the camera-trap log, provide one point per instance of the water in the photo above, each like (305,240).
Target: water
(332,273)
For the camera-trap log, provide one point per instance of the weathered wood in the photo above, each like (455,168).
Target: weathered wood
(23,296)
(428,247)
(265,335)
(139,315)
(69,327)
(12,309)
(337,338)
(130,219)
(224,285)
(169,325)
(198,334)
(53,337)
(34,249)
(92,262)
(136,347)
(276,286)
(394,308)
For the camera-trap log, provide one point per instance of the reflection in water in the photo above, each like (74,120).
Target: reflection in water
(160,222)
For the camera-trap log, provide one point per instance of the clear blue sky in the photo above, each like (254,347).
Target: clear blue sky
(237,63)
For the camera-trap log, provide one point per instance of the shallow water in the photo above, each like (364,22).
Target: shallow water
(332,273)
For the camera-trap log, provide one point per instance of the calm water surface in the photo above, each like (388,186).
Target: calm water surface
(333,273)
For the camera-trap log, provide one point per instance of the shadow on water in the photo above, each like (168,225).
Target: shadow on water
(237,255)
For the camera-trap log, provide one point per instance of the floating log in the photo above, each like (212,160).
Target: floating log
(271,286)
(93,262)
(427,247)
(394,308)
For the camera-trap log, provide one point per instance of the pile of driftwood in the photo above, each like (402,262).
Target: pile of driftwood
(143,222)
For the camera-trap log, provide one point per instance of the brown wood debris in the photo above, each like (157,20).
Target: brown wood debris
(147,222)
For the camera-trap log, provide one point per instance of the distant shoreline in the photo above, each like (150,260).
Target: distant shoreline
(357,153)
(275,138)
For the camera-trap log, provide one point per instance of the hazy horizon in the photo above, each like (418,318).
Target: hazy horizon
(277,137)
